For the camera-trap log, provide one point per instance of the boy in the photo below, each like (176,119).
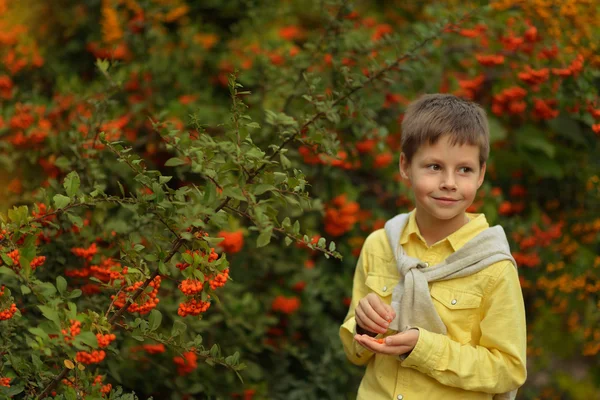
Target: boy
(437,310)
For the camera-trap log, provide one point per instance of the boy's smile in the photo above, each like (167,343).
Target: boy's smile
(444,179)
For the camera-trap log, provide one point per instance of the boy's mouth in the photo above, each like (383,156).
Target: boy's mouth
(445,199)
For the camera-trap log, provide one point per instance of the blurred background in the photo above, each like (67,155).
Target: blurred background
(70,69)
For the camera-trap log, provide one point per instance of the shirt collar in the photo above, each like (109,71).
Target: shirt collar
(477,224)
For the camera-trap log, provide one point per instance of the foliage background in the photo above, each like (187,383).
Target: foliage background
(163,87)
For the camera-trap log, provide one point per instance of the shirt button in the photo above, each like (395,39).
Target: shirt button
(453,302)
(384,288)
(426,265)
(400,397)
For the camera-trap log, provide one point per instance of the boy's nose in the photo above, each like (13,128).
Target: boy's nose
(448,183)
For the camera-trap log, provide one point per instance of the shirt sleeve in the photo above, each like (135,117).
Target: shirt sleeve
(356,353)
(498,363)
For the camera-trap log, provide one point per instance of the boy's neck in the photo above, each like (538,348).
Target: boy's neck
(433,230)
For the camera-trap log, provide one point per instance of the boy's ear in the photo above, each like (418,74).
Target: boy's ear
(481,175)
(404,166)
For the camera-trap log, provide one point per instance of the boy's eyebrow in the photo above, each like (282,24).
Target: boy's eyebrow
(438,161)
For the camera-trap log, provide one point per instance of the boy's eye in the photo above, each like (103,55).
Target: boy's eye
(434,167)
(465,169)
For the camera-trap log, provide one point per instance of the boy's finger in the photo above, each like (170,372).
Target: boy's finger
(383,311)
(364,320)
(377,313)
(391,312)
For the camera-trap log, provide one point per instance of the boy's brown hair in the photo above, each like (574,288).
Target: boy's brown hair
(431,116)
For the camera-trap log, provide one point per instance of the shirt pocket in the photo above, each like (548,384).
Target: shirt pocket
(383,285)
(457,309)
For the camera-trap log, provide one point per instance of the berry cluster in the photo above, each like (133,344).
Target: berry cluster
(193,307)
(108,271)
(220,280)
(43,211)
(15,256)
(104,340)
(191,287)
(10,311)
(145,301)
(186,364)
(211,257)
(94,357)
(84,253)
(5,382)
(105,389)
(3,234)
(75,329)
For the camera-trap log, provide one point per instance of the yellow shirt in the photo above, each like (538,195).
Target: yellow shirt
(484,351)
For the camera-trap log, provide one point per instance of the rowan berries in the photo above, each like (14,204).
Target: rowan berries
(220,280)
(105,389)
(108,271)
(10,311)
(85,253)
(186,364)
(154,348)
(94,357)
(75,329)
(145,301)
(5,382)
(104,340)
(193,307)
(15,256)
(190,287)
(211,257)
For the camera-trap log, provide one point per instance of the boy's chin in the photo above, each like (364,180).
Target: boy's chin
(445,214)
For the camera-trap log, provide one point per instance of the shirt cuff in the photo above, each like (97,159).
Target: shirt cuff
(425,356)
(358,350)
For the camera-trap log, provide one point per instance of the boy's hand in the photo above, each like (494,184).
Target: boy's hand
(393,345)
(373,315)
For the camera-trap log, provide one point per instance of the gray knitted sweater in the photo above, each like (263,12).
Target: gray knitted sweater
(411,298)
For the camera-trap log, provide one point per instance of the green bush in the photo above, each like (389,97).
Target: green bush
(255,145)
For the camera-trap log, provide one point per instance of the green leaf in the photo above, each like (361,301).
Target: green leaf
(51,314)
(121,188)
(543,166)
(178,328)
(75,219)
(164,179)
(262,188)
(61,284)
(531,138)
(154,319)
(162,268)
(497,130)
(264,238)
(187,257)
(74,294)
(213,241)
(61,201)
(88,338)
(72,183)
(568,128)
(234,192)
(288,241)
(214,350)
(25,289)
(38,332)
(174,162)
(7,260)
(18,215)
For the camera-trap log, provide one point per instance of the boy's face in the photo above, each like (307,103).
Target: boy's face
(444,178)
